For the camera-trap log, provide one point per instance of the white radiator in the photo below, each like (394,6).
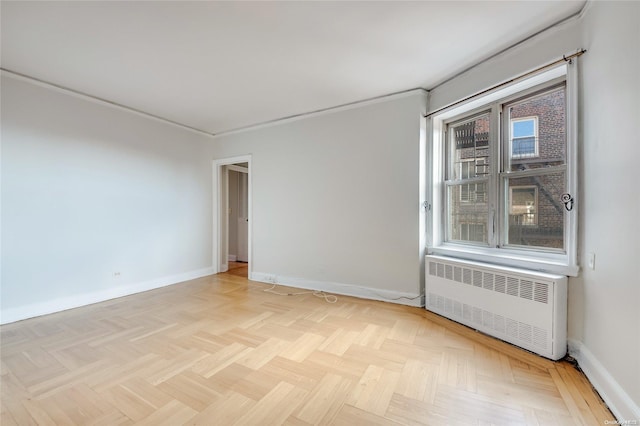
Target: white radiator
(526,308)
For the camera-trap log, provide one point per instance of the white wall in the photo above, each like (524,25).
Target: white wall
(336,198)
(604,304)
(609,296)
(529,55)
(89,190)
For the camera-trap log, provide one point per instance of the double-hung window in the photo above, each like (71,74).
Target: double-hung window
(503,181)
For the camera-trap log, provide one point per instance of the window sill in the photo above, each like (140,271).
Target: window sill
(545,263)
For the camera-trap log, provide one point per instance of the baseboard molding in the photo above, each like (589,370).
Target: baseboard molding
(409,299)
(64,303)
(618,400)
(231,258)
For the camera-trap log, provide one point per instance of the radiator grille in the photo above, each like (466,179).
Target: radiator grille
(466,276)
(512,285)
(501,283)
(473,314)
(477,278)
(541,293)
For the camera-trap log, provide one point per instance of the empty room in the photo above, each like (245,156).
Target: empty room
(319,213)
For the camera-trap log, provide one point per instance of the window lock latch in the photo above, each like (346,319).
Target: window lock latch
(567,199)
(426,206)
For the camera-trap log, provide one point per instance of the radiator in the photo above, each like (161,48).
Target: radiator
(525,308)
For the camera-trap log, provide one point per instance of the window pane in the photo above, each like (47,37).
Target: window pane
(467,218)
(538,131)
(523,128)
(469,149)
(535,211)
(473,193)
(523,147)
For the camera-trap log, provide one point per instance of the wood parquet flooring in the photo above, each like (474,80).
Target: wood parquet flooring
(220,351)
(239,269)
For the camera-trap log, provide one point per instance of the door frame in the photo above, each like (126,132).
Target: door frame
(220,218)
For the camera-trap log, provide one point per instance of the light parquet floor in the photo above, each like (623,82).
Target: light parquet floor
(221,351)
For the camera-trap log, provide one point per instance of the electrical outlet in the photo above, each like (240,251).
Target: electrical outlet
(116,275)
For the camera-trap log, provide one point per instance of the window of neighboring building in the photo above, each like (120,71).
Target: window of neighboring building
(472,232)
(523,202)
(524,137)
(472,192)
(509,164)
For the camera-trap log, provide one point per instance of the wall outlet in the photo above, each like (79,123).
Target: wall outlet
(116,275)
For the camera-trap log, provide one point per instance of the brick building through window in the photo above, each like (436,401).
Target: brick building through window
(535,138)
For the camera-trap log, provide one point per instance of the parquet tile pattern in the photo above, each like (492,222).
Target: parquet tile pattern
(221,351)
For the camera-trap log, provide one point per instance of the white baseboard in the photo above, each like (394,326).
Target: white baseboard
(618,400)
(62,304)
(231,258)
(409,299)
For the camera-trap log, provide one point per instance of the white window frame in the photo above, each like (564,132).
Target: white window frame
(561,262)
(535,136)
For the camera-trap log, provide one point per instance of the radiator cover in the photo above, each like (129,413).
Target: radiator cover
(526,308)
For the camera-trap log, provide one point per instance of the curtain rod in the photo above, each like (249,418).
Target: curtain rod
(564,59)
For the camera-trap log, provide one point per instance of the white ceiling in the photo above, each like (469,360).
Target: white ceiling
(218,66)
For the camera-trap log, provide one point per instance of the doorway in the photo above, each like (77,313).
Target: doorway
(238,219)
(232,215)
